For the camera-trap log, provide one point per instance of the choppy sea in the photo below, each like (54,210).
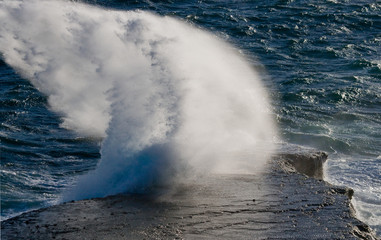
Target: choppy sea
(319,61)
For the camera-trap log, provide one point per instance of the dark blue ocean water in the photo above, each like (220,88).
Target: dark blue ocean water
(320,61)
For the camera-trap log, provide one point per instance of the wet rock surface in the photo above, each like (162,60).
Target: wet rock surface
(279,204)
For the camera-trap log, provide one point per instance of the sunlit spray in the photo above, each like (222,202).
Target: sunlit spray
(168,99)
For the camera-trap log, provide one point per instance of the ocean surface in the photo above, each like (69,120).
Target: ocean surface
(292,73)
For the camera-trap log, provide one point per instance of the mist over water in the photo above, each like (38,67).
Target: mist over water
(169,99)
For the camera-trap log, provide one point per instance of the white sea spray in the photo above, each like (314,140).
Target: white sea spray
(168,98)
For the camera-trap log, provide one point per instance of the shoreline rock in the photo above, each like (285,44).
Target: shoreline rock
(280,204)
(310,164)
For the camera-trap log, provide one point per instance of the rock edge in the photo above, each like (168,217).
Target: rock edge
(293,206)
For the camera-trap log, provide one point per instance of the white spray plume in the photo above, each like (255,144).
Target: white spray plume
(164,95)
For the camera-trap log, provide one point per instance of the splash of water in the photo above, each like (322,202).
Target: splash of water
(166,97)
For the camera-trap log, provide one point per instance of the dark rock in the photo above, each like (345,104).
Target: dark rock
(343,190)
(363,231)
(310,164)
(280,204)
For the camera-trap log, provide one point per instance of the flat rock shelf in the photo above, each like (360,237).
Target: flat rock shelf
(288,201)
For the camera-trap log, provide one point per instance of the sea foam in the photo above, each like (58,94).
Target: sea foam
(169,99)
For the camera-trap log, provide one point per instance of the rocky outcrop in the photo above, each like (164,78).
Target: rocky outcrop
(325,204)
(279,204)
(310,164)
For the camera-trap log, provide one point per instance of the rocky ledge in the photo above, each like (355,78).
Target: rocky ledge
(282,203)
